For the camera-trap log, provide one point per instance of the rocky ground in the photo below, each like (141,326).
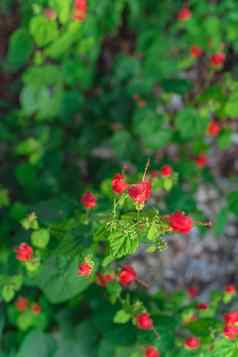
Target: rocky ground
(207,262)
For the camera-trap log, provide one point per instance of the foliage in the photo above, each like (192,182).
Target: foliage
(90,89)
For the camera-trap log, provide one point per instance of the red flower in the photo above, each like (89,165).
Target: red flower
(118,183)
(103,279)
(231,318)
(144,321)
(196,51)
(88,200)
(230,332)
(151,351)
(213,128)
(80,10)
(192,343)
(218,59)
(202,306)
(127,275)
(36,309)
(180,223)
(21,303)
(184,14)
(230,289)
(201,160)
(166,171)
(192,292)
(24,252)
(140,192)
(85,269)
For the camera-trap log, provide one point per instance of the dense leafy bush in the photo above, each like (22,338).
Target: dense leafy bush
(89,90)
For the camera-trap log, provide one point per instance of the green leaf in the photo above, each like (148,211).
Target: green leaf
(233,202)
(20,49)
(43,31)
(153,136)
(121,317)
(122,244)
(40,238)
(153,231)
(59,280)
(191,123)
(37,342)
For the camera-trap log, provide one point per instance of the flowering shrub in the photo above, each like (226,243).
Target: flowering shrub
(87,88)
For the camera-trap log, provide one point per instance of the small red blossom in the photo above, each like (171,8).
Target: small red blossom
(144,321)
(166,171)
(151,351)
(230,289)
(231,318)
(184,14)
(127,275)
(24,252)
(103,279)
(36,309)
(118,183)
(88,200)
(196,51)
(230,332)
(140,192)
(201,160)
(192,292)
(85,269)
(80,10)
(21,303)
(213,128)
(202,306)
(180,222)
(218,59)
(192,343)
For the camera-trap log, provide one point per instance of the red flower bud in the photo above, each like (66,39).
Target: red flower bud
(218,59)
(144,321)
(21,303)
(88,200)
(118,183)
(24,252)
(103,279)
(85,269)
(231,318)
(151,351)
(230,332)
(127,275)
(166,171)
(192,343)
(80,10)
(213,128)
(184,14)
(192,292)
(36,309)
(180,223)
(140,192)
(230,289)
(202,306)
(196,51)
(201,160)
